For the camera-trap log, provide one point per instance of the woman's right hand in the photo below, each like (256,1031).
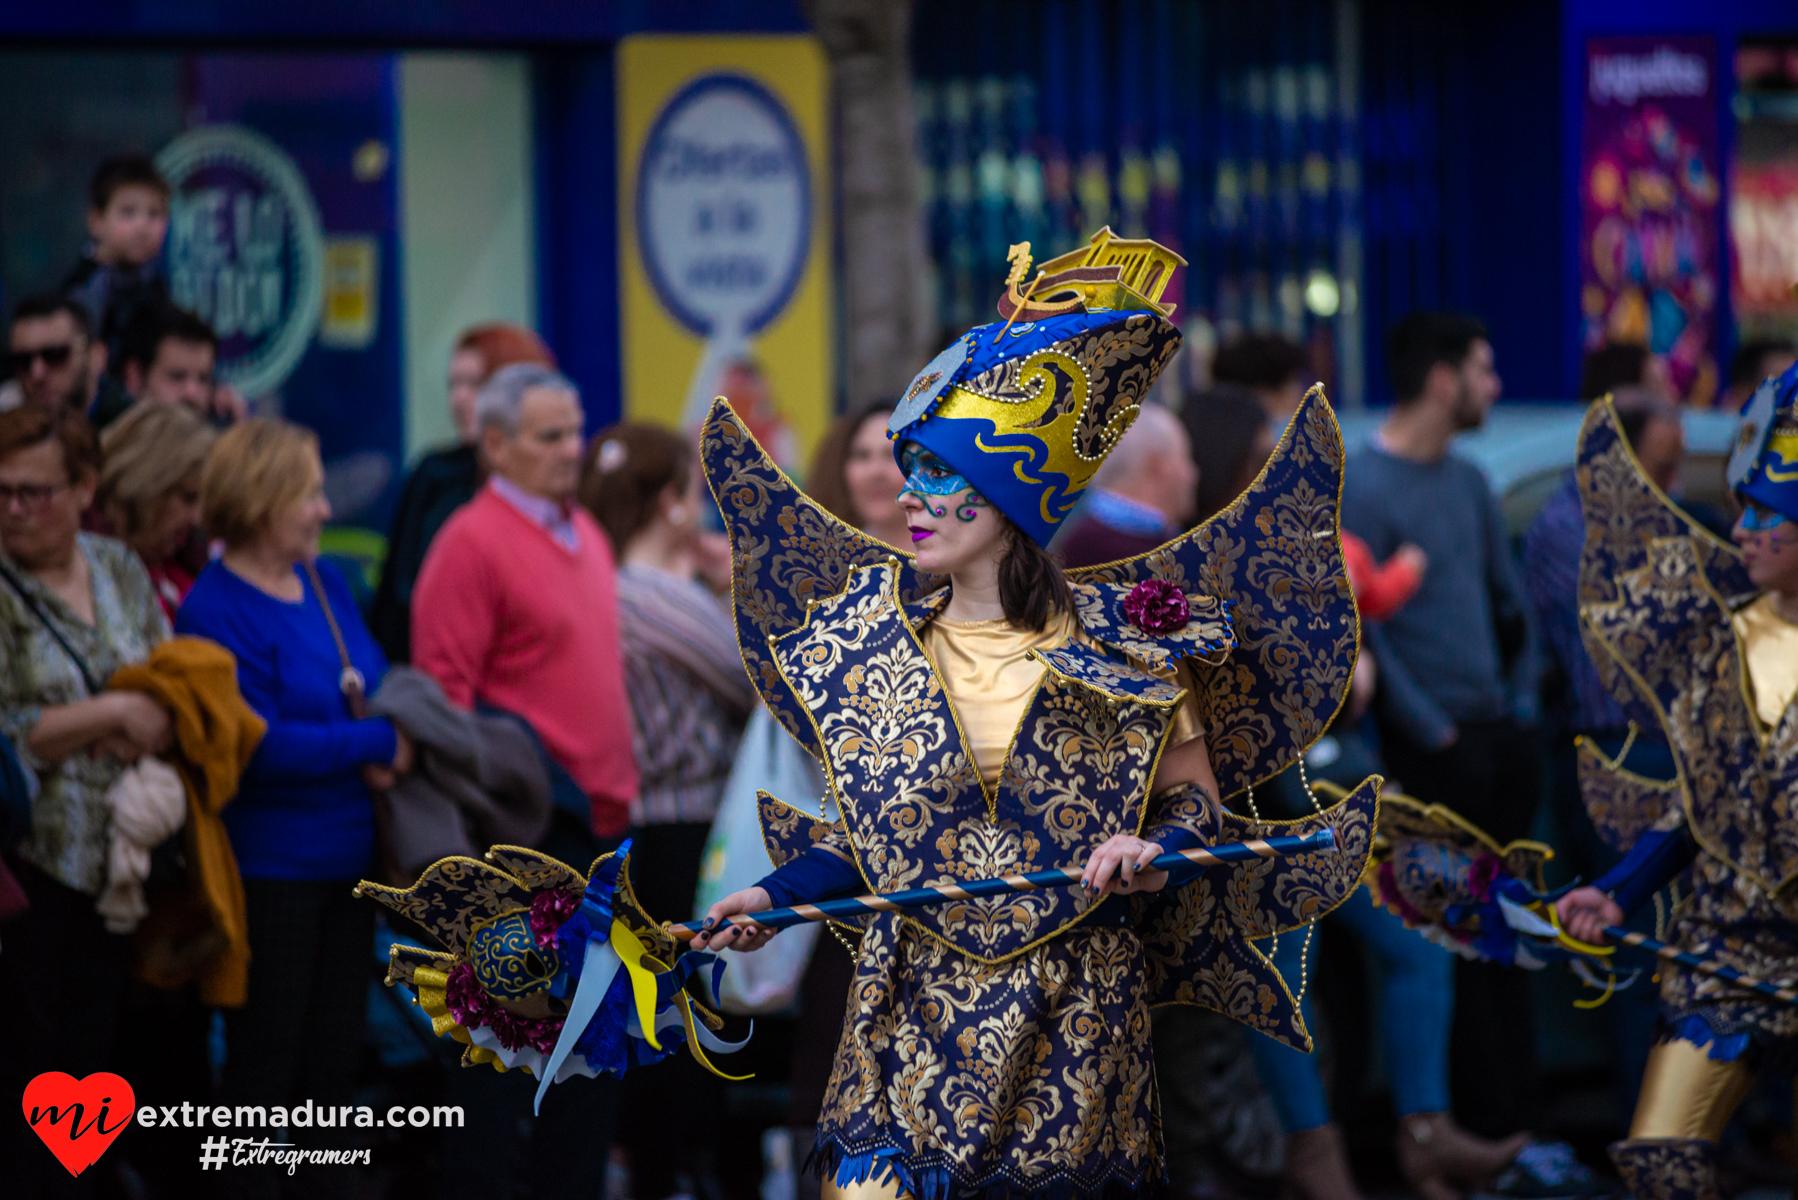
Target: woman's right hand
(735,937)
(386,777)
(1585,912)
(142,722)
(405,753)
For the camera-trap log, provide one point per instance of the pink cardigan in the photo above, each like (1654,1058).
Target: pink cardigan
(505,614)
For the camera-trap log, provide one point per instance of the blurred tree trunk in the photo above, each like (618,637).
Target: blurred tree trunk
(885,264)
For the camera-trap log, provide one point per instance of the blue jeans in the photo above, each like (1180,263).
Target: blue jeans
(1416,1001)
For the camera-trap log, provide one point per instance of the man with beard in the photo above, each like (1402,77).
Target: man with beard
(1458,702)
(53,357)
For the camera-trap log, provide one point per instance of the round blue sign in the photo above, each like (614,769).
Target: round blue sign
(245,250)
(724,205)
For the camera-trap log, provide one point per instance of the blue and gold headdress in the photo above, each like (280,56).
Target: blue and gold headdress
(1764,466)
(1026,409)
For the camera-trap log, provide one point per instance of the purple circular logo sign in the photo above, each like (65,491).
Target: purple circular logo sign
(245,250)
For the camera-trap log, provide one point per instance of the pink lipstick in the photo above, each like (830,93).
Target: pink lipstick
(918,535)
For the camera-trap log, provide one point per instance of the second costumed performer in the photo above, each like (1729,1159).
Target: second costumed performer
(1701,638)
(978,712)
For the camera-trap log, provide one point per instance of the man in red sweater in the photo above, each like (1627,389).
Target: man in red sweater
(516,606)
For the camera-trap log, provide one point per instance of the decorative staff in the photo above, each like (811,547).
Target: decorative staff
(1705,966)
(559,974)
(1321,842)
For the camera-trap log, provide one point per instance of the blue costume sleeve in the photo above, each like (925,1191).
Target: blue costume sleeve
(1657,857)
(818,874)
(1171,838)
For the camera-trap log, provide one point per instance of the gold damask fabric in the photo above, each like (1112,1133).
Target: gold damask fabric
(898,758)
(1274,559)
(958,1075)
(1667,1168)
(1622,804)
(1732,920)
(1661,612)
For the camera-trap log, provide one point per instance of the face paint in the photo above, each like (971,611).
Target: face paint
(928,476)
(1760,519)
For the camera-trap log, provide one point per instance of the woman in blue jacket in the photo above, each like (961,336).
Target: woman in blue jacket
(303,823)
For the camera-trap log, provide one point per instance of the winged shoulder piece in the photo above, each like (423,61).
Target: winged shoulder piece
(1625,515)
(786,551)
(1274,560)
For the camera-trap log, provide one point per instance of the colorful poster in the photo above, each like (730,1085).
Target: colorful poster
(724,234)
(1763,191)
(1649,259)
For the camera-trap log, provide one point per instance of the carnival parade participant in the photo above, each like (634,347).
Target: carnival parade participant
(1702,637)
(1020,718)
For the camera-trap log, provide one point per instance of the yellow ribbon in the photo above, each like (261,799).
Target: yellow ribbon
(631,953)
(1567,939)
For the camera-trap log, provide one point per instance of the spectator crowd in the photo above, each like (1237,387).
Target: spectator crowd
(209,739)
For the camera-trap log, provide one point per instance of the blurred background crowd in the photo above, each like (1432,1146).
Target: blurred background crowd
(350,514)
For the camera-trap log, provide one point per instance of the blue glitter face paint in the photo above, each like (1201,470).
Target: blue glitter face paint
(928,477)
(1759,519)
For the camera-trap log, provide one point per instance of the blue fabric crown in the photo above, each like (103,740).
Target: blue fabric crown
(1027,411)
(1764,465)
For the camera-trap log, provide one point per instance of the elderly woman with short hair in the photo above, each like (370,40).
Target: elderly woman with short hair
(149,493)
(74,607)
(303,823)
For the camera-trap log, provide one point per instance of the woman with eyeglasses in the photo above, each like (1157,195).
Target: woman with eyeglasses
(74,608)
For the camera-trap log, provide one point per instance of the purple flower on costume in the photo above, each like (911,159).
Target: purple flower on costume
(548,911)
(1157,606)
(1486,870)
(473,1008)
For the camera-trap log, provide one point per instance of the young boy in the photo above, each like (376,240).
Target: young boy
(127,219)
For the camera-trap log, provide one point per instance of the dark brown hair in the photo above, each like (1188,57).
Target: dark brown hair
(1613,366)
(827,482)
(1223,424)
(122,171)
(627,469)
(1032,587)
(32,425)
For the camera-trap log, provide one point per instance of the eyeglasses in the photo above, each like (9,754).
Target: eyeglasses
(29,495)
(53,356)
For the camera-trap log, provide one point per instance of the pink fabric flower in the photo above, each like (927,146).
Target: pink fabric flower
(473,1008)
(1486,870)
(548,910)
(1157,606)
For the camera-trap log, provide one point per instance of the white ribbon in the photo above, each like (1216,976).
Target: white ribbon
(598,969)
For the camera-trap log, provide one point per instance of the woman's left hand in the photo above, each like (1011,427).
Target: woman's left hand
(1117,866)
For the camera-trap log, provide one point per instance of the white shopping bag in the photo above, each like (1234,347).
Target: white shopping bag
(769,760)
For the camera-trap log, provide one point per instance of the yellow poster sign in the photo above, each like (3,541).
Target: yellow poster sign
(724,233)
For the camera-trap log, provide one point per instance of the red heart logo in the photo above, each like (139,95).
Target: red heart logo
(78,1118)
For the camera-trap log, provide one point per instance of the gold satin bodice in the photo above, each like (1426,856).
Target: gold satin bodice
(1769,645)
(990,681)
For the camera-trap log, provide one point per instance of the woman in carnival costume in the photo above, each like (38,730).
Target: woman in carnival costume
(978,712)
(1703,638)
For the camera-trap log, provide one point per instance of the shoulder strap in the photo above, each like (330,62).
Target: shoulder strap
(350,681)
(37,610)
